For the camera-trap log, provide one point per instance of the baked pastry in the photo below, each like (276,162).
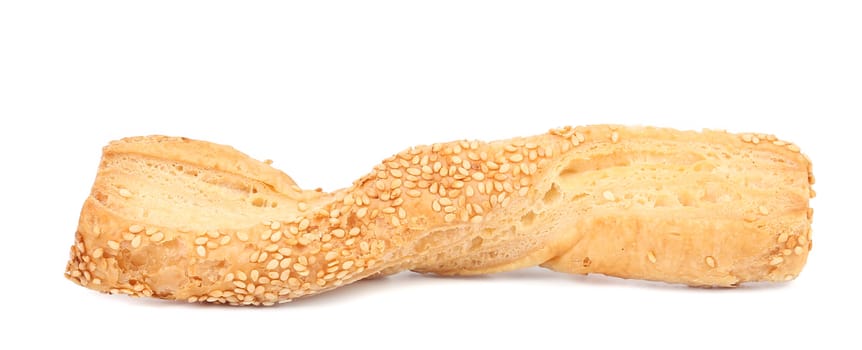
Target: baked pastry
(174,218)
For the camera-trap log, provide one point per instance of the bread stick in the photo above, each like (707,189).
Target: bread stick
(180,219)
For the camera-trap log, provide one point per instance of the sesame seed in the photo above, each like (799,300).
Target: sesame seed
(615,136)
(299,267)
(476,219)
(517,157)
(437,167)
(284,263)
(763,210)
(478,176)
(435,205)
(449,217)
(427,169)
(347,264)
(275,225)
(157,237)
(414,193)
(338,233)
(798,250)
(242,236)
(272,264)
(113,245)
(125,193)
(302,206)
(201,240)
(793,147)
(254,275)
(462,173)
(266,235)
(354,231)
(477,208)
(136,242)
(802,240)
(213,234)
(710,261)
(651,257)
(361,212)
(303,224)
(507,186)
(469,191)
(275,236)
(241,276)
(746,137)
(609,195)
(201,251)
(783,237)
(776,261)
(98,253)
(755,140)
(136,228)
(224,240)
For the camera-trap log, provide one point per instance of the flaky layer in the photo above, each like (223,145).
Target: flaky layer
(182,219)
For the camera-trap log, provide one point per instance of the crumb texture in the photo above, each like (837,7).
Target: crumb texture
(175,218)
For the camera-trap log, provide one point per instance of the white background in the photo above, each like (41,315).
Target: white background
(328,89)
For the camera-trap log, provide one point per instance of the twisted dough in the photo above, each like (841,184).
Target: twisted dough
(175,218)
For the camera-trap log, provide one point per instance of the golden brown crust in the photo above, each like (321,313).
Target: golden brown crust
(181,219)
